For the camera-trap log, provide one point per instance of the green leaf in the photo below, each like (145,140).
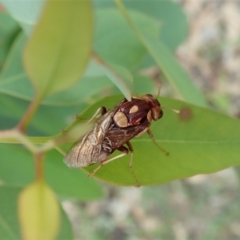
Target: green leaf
(39,212)
(65,182)
(173,71)
(8,30)
(9,225)
(143,85)
(26,13)
(58,117)
(24,163)
(14,81)
(58,51)
(173,20)
(114,40)
(11,111)
(120,76)
(166,62)
(70,183)
(83,92)
(198,140)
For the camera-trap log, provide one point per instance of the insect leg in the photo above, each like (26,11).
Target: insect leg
(101,111)
(107,161)
(124,151)
(130,149)
(154,141)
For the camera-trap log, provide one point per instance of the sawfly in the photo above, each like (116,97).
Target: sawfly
(113,130)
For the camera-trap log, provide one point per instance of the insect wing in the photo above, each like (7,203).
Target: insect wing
(80,154)
(119,136)
(88,150)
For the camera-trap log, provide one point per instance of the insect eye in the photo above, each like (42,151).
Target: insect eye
(160,114)
(157,113)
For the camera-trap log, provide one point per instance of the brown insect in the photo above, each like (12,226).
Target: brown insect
(114,129)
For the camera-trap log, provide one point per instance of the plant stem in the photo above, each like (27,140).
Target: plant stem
(22,125)
(14,135)
(39,166)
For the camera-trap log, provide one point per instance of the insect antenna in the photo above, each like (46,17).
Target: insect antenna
(174,110)
(158,95)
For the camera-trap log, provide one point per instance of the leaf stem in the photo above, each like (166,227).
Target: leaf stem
(14,135)
(39,166)
(22,125)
